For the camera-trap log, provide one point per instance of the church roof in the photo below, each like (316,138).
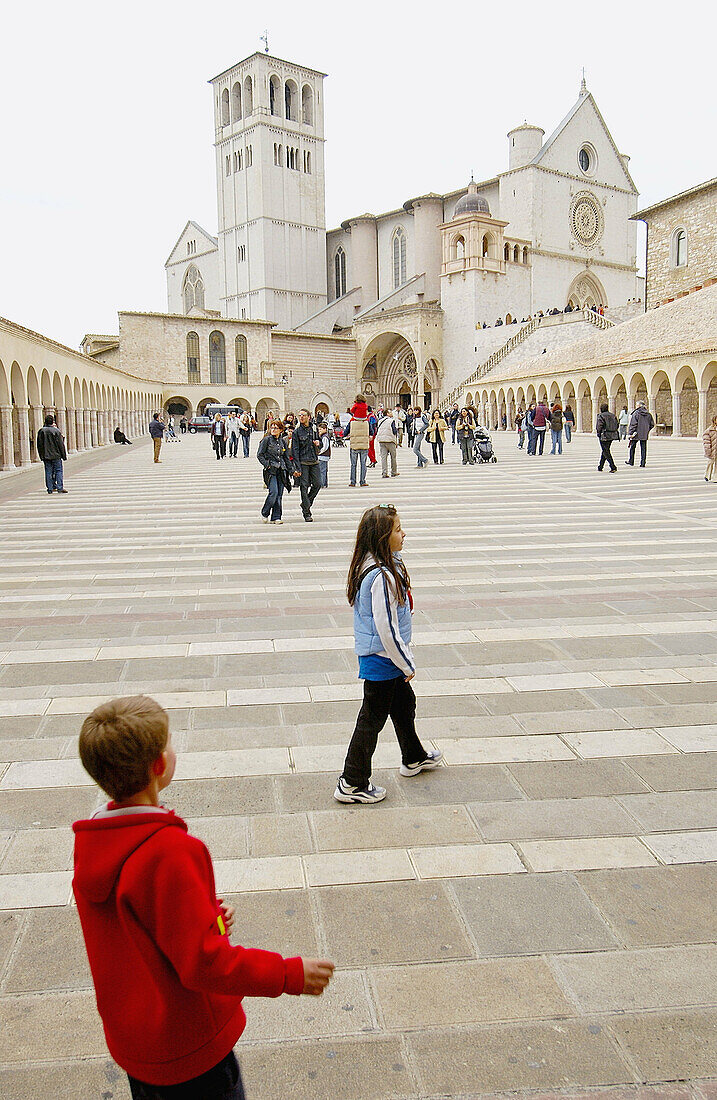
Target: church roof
(197,229)
(471,202)
(675,198)
(659,334)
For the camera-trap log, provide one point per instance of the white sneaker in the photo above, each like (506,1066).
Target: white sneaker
(277,521)
(264,519)
(368,794)
(430,761)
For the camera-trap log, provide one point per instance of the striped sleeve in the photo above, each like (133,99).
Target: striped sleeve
(385,617)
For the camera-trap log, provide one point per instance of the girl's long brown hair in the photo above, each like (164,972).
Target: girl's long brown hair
(372,538)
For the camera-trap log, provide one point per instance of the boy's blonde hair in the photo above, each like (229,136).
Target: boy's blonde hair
(120,741)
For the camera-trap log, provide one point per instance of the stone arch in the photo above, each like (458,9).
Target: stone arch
(585,402)
(568,395)
(618,394)
(661,402)
(431,382)
(688,400)
(395,361)
(493,403)
(554,392)
(599,393)
(324,399)
(469,399)
(18,394)
(266,406)
(241,403)
(586,291)
(502,408)
(530,396)
(307,105)
(46,390)
(204,401)
(637,389)
(708,386)
(542,392)
(510,402)
(33,388)
(520,398)
(178,405)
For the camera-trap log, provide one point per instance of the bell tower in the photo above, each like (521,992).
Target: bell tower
(269,142)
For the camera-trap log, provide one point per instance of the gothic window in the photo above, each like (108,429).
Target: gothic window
(516,255)
(274,95)
(399,257)
(291,95)
(249,156)
(236,102)
(308,163)
(241,360)
(679,248)
(193,289)
(225,107)
(506,252)
(485,248)
(525,254)
(241,253)
(458,248)
(217,359)
(307,105)
(248,97)
(193,356)
(240,161)
(340,272)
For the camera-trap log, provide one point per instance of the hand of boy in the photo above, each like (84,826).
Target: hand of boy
(317,975)
(227,915)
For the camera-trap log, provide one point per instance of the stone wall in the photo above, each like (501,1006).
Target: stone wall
(314,366)
(696,214)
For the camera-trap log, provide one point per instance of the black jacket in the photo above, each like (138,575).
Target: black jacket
(304,451)
(50,444)
(607,427)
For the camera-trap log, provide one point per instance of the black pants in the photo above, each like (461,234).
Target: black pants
(310,484)
(606,456)
(382,699)
(540,440)
(643,451)
(437,451)
(217,442)
(223,1082)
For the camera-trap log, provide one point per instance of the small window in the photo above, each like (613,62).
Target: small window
(399,257)
(241,253)
(248,97)
(240,356)
(307,106)
(679,248)
(217,360)
(587,160)
(193,356)
(340,272)
(274,95)
(506,252)
(308,163)
(236,102)
(228,166)
(193,289)
(225,107)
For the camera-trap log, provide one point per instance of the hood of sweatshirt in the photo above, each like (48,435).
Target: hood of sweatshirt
(103,844)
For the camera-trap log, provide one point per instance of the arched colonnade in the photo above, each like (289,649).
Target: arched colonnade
(87,410)
(681,395)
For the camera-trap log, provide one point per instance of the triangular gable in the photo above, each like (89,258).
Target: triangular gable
(195,229)
(585,102)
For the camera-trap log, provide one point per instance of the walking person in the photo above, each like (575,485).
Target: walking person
(541,419)
(709,442)
(464,429)
(520,427)
(379,590)
(641,424)
(232,424)
(372,425)
(324,454)
(623,421)
(273,454)
(530,428)
(156,430)
(420,427)
(569,423)
(399,416)
(51,449)
(436,435)
(453,417)
(219,436)
(304,450)
(245,427)
(607,430)
(357,432)
(387,439)
(183,425)
(556,429)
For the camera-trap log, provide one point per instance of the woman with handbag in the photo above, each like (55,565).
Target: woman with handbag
(273,454)
(436,435)
(607,430)
(464,428)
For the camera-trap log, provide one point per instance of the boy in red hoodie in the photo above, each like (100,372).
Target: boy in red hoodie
(169,984)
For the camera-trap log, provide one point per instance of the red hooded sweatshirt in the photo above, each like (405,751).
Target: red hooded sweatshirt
(169,985)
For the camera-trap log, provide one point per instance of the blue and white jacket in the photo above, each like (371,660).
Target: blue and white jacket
(382,625)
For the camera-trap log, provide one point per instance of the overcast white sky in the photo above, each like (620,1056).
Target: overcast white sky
(107,124)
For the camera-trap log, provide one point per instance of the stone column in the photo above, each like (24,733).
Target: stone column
(107,427)
(6,438)
(702,414)
(86,429)
(676,421)
(80,429)
(23,421)
(71,440)
(612,405)
(60,419)
(579,414)
(38,419)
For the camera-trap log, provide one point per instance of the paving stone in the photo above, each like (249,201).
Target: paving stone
(576,778)
(91,1079)
(225,837)
(353,828)
(691,771)
(57,806)
(570,721)
(39,849)
(367,1069)
(341,868)
(695,847)
(673,810)
(468,993)
(10,927)
(656,905)
(530,915)
(584,854)
(632,742)
(409,922)
(314,791)
(459,860)
(236,795)
(279,835)
(536,702)
(343,1009)
(445,786)
(62,963)
(650,978)
(670,1045)
(515,1056)
(564,817)
(279,920)
(60,1025)
(692,738)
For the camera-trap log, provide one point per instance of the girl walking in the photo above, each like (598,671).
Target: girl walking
(436,434)
(273,454)
(420,425)
(379,590)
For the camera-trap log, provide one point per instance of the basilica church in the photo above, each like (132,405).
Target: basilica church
(425,289)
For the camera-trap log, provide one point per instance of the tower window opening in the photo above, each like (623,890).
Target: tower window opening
(680,248)
(274,95)
(307,105)
(225,107)
(340,272)
(399,257)
(236,102)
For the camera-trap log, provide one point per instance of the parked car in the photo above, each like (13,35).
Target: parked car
(199,423)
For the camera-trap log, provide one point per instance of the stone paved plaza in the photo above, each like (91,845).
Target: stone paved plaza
(539,914)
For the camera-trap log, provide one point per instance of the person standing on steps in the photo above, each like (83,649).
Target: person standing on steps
(232,425)
(641,424)
(156,430)
(541,419)
(219,436)
(273,454)
(420,427)
(709,442)
(453,417)
(51,449)
(378,588)
(607,430)
(464,429)
(556,429)
(436,435)
(569,423)
(358,434)
(623,421)
(387,439)
(304,448)
(324,454)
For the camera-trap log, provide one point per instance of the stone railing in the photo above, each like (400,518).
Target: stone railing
(521,335)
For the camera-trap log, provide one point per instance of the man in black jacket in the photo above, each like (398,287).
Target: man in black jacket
(51,449)
(305,445)
(607,430)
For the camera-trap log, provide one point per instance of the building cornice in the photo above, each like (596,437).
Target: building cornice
(584,181)
(215,321)
(584,261)
(266,57)
(640,214)
(13,329)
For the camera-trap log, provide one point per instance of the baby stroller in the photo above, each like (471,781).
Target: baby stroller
(482,446)
(337,436)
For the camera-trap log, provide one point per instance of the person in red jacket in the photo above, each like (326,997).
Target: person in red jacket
(169,984)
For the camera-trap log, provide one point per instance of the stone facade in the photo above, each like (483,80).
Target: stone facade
(681,243)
